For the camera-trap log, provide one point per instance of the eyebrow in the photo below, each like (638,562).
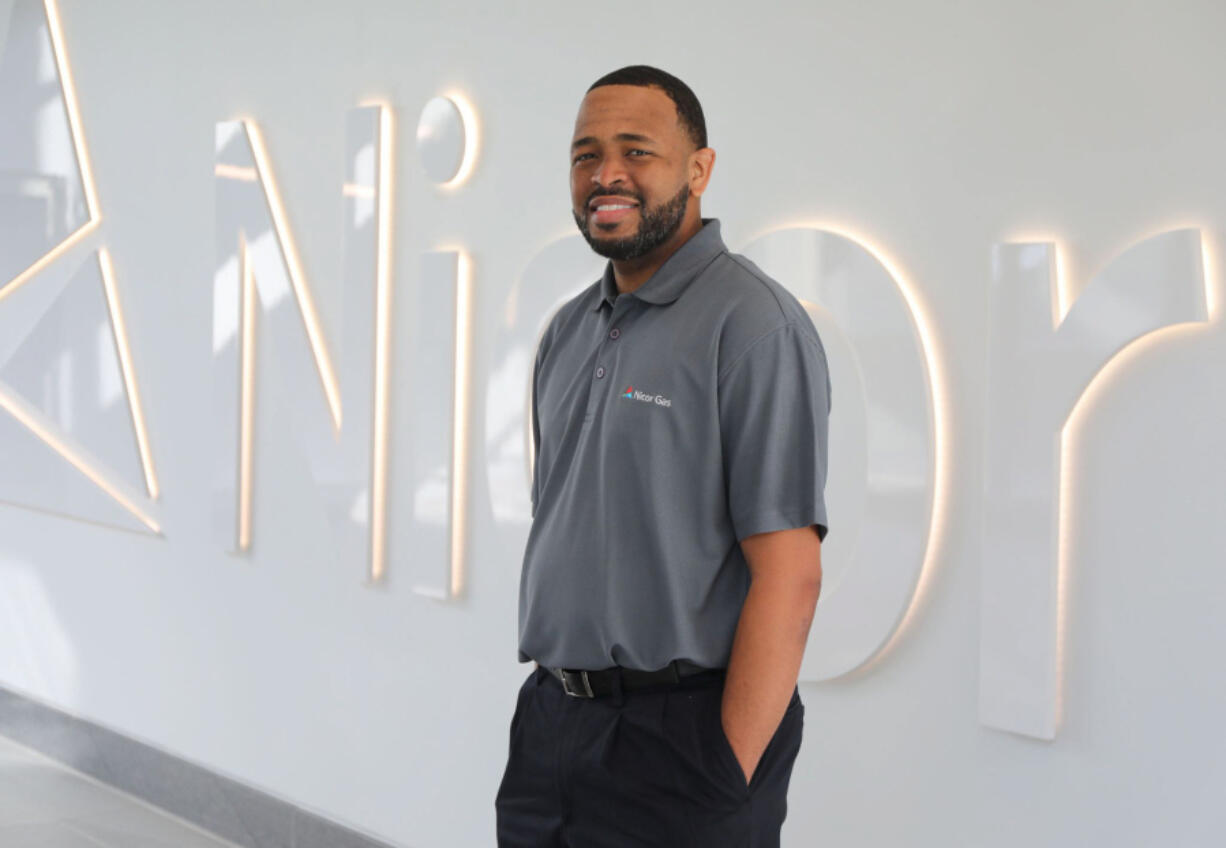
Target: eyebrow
(624,136)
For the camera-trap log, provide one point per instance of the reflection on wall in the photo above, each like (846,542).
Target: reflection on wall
(881,485)
(1041,364)
(72,435)
(263,311)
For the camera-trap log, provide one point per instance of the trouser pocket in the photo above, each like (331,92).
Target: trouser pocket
(785,738)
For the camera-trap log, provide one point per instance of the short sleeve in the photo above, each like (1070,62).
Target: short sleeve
(774,409)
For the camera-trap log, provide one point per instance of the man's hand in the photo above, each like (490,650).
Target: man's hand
(770,638)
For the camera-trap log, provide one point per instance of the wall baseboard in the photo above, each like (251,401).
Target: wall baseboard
(245,816)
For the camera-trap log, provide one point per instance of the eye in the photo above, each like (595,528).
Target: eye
(579,158)
(641,150)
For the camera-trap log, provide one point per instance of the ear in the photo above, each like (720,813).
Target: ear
(702,161)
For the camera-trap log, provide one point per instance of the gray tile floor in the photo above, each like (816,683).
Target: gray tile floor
(45,805)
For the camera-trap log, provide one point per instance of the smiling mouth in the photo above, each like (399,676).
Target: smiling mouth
(611,211)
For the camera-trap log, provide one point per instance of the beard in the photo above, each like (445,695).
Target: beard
(656,226)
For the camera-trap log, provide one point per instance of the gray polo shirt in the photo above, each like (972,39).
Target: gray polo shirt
(670,423)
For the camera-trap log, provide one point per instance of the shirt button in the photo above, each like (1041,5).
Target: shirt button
(600,371)
(614,333)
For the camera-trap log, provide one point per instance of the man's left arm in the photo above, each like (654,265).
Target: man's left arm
(774,409)
(786,571)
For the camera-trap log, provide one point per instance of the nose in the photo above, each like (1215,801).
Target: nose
(611,170)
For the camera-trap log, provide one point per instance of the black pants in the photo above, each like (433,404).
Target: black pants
(651,767)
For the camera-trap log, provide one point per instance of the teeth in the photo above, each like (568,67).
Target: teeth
(615,206)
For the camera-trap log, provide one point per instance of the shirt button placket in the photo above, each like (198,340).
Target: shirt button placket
(614,333)
(600,372)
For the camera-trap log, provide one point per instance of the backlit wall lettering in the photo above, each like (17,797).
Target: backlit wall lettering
(1044,356)
(378,410)
(351,429)
(263,309)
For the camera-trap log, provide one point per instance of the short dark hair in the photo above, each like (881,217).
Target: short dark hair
(689,110)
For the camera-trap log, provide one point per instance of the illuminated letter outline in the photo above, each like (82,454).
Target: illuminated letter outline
(25,413)
(1046,358)
(348,463)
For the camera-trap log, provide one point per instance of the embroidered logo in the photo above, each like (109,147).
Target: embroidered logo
(634,394)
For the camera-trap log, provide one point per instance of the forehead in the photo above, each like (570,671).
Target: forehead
(612,109)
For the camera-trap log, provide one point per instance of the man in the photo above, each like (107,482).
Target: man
(680,408)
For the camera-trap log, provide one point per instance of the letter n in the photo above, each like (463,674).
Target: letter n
(268,335)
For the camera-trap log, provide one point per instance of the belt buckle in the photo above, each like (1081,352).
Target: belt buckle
(587,686)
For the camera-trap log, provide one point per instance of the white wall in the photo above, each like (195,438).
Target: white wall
(932,130)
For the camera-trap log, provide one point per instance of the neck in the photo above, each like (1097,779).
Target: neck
(632,273)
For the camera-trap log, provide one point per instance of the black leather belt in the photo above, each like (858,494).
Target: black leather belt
(594,684)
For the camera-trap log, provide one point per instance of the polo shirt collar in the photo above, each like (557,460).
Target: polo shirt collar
(677,272)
